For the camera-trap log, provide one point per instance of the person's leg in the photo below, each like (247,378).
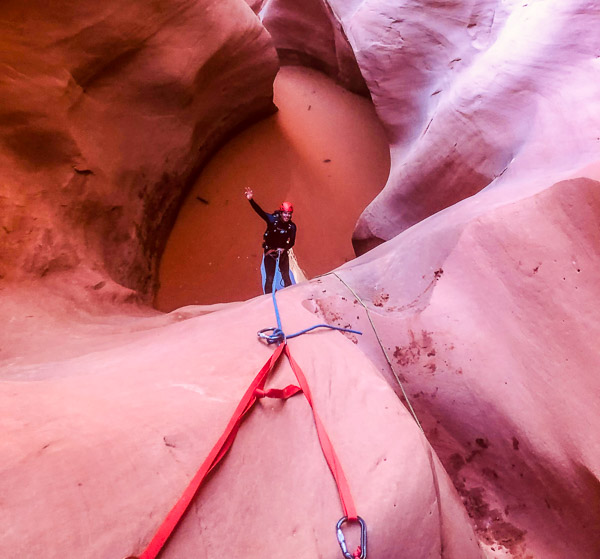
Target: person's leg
(284,268)
(269,273)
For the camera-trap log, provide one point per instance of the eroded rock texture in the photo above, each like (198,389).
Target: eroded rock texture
(107,112)
(476,94)
(98,447)
(311,35)
(471,93)
(488,322)
(486,309)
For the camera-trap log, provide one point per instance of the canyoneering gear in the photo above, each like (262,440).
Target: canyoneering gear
(277,335)
(385,353)
(361,550)
(279,234)
(286,207)
(276,276)
(255,391)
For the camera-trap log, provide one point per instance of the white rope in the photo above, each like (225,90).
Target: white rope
(382,349)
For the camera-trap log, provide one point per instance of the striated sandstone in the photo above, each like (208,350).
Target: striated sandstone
(474,94)
(107,112)
(309,34)
(487,308)
(471,94)
(487,311)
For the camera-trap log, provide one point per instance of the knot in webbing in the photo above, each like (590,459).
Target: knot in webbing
(280,393)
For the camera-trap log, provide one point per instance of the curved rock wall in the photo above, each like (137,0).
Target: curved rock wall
(309,34)
(486,313)
(107,112)
(470,93)
(473,94)
(487,308)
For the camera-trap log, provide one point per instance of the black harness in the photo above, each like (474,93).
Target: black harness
(278,234)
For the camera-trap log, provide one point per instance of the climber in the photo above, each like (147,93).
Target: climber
(278,238)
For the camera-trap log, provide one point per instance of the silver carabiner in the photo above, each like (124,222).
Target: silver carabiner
(342,539)
(276,337)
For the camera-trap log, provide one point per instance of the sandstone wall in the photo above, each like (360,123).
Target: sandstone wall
(486,312)
(108,111)
(471,93)
(474,94)
(487,308)
(310,34)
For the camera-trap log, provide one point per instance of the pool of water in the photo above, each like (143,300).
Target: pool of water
(324,150)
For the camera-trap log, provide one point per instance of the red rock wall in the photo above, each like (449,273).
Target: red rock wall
(493,345)
(108,111)
(471,93)
(487,308)
(309,34)
(474,93)
(486,312)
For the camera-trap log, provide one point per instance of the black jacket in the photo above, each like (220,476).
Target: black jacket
(279,234)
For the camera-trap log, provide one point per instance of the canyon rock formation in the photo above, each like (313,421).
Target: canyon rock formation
(472,94)
(107,115)
(482,290)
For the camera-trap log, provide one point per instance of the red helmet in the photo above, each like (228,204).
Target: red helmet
(286,207)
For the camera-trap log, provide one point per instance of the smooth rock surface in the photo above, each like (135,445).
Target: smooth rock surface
(487,312)
(487,308)
(473,94)
(98,446)
(106,113)
(309,34)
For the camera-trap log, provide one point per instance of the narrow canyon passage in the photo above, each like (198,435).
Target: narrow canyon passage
(325,151)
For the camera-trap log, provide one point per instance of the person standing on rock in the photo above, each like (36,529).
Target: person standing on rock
(278,239)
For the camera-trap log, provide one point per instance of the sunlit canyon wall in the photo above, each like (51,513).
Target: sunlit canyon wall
(482,287)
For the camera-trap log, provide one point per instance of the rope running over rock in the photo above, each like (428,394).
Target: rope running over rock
(276,335)
(389,362)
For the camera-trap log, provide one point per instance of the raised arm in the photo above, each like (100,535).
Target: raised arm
(250,195)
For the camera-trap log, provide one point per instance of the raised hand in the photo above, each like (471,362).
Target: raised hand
(248,192)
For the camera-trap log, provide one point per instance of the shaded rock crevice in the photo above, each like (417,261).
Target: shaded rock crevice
(328,50)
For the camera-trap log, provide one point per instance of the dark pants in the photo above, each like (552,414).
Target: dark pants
(284,269)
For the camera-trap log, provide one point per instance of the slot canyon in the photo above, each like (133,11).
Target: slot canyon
(443,159)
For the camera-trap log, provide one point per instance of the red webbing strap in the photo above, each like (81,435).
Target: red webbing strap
(332,460)
(255,390)
(215,455)
(281,394)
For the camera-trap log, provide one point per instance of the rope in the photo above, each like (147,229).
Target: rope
(255,391)
(389,362)
(276,335)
